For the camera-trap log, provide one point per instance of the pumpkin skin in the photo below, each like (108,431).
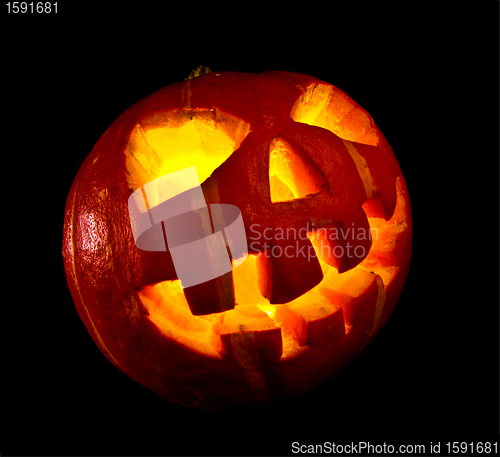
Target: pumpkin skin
(287,324)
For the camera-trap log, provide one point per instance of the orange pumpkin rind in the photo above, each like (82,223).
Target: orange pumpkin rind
(291,324)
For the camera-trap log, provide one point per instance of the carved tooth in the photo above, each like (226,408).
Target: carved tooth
(257,340)
(312,319)
(344,246)
(287,270)
(356,292)
(211,296)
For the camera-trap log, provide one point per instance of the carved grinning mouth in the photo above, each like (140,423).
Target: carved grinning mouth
(334,307)
(172,141)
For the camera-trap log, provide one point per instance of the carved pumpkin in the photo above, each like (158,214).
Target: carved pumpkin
(327,219)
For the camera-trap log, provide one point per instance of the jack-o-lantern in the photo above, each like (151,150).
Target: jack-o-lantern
(326,216)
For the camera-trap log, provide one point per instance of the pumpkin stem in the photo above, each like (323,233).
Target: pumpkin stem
(201,70)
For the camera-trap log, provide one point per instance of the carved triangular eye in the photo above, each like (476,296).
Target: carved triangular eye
(292,173)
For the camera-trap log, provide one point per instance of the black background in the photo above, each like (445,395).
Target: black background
(430,80)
